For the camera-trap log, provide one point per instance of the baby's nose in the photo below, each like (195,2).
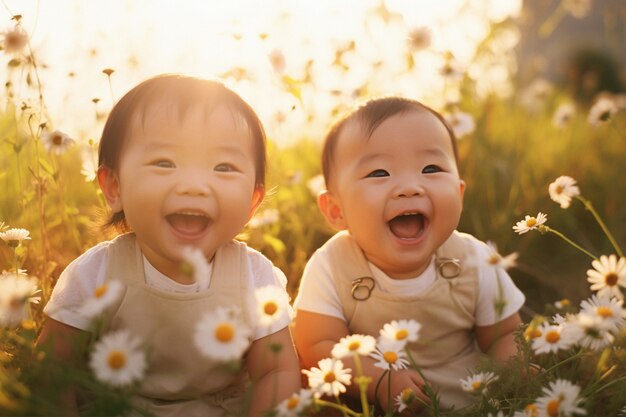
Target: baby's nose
(193,185)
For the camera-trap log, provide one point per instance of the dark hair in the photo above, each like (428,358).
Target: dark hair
(370,115)
(181,93)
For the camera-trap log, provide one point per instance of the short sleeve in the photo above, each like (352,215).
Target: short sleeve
(317,292)
(261,273)
(495,284)
(76,284)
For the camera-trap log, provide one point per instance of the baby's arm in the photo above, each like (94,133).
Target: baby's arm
(275,374)
(66,344)
(498,340)
(316,334)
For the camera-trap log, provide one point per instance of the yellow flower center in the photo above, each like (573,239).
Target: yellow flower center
(390,357)
(407,395)
(604,311)
(270,308)
(353,346)
(16,303)
(402,334)
(476,385)
(100,291)
(532,333)
(552,408)
(531,222)
(531,410)
(565,302)
(57,140)
(610,279)
(329,377)
(293,402)
(553,336)
(559,189)
(494,259)
(116,359)
(224,332)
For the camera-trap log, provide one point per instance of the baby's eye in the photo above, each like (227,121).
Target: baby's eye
(225,167)
(163,163)
(431,169)
(377,173)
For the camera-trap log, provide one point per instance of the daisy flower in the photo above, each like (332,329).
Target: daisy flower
(562,303)
(16,292)
(462,123)
(530,223)
(402,331)
(529,411)
(355,343)
(560,399)
(266,217)
(601,111)
(477,384)
(196,266)
(222,335)
(595,333)
(15,40)
(608,275)
(272,304)
(102,298)
(330,378)
(420,38)
(563,115)
(404,399)
(609,309)
(555,337)
(118,359)
(14,237)
(295,404)
(316,184)
(497,260)
(57,142)
(563,189)
(390,355)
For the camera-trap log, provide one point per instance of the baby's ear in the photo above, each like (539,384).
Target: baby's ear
(110,186)
(330,208)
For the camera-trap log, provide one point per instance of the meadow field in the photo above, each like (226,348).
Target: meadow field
(513,143)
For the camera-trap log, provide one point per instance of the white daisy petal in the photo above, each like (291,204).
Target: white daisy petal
(222,335)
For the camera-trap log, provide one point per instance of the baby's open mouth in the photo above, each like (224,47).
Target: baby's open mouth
(407,226)
(188,223)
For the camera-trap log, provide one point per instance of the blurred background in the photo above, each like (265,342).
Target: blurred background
(534,89)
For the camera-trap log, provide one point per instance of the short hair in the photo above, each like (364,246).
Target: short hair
(181,93)
(370,115)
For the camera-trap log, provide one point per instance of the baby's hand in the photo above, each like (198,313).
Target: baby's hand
(406,379)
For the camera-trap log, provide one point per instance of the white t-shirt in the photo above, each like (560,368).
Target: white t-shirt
(318,294)
(80,279)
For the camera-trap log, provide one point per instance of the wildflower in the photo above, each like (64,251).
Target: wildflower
(57,142)
(295,404)
(277,59)
(535,94)
(477,383)
(404,399)
(608,309)
(420,38)
(563,189)
(117,359)
(560,399)
(563,115)
(497,260)
(500,414)
(461,123)
(316,184)
(390,355)
(356,343)
(15,40)
(14,237)
(451,69)
(555,337)
(330,378)
(529,411)
(272,304)
(595,334)
(17,290)
(401,331)
(577,8)
(102,298)
(602,111)
(530,223)
(196,266)
(222,335)
(608,275)
(89,168)
(266,217)
(562,303)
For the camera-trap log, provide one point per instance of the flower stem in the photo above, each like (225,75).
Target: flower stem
(607,232)
(568,240)
(363,382)
(345,410)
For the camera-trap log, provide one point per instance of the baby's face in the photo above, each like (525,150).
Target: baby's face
(399,191)
(186,182)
